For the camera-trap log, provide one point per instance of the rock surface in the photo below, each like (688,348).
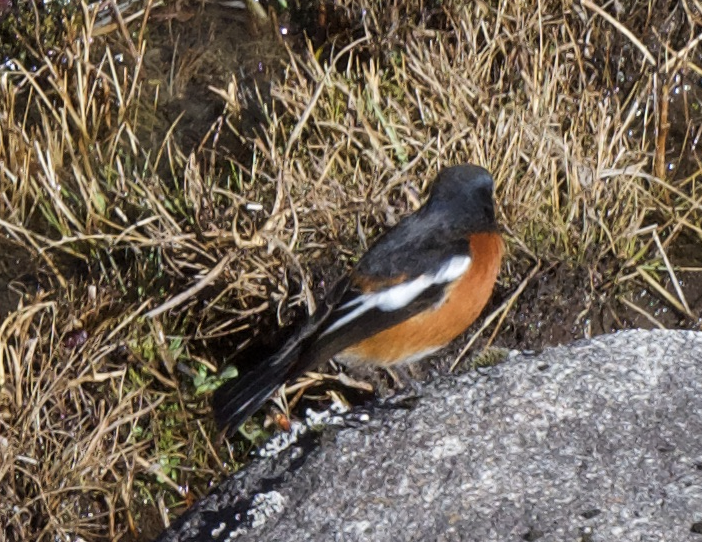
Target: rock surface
(598,441)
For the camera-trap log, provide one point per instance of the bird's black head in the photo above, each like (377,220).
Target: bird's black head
(465,194)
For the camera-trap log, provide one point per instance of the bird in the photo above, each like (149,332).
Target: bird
(419,286)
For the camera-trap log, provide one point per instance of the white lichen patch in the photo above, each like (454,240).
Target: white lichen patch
(265,505)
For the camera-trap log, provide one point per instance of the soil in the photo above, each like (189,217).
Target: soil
(18,274)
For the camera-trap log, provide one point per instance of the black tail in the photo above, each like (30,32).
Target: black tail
(238,399)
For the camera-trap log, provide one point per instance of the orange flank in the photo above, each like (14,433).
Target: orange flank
(430,330)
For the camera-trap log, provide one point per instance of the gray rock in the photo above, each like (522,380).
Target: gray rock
(598,441)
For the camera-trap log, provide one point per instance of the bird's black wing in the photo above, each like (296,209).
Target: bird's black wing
(402,275)
(421,243)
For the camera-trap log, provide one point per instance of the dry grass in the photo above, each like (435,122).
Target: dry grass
(140,267)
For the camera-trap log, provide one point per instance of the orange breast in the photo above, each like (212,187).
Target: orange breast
(430,330)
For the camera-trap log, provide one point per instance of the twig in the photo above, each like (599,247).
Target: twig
(624,30)
(502,309)
(187,294)
(673,277)
(676,56)
(659,161)
(642,312)
(662,291)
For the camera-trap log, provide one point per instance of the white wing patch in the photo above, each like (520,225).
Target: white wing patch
(403,294)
